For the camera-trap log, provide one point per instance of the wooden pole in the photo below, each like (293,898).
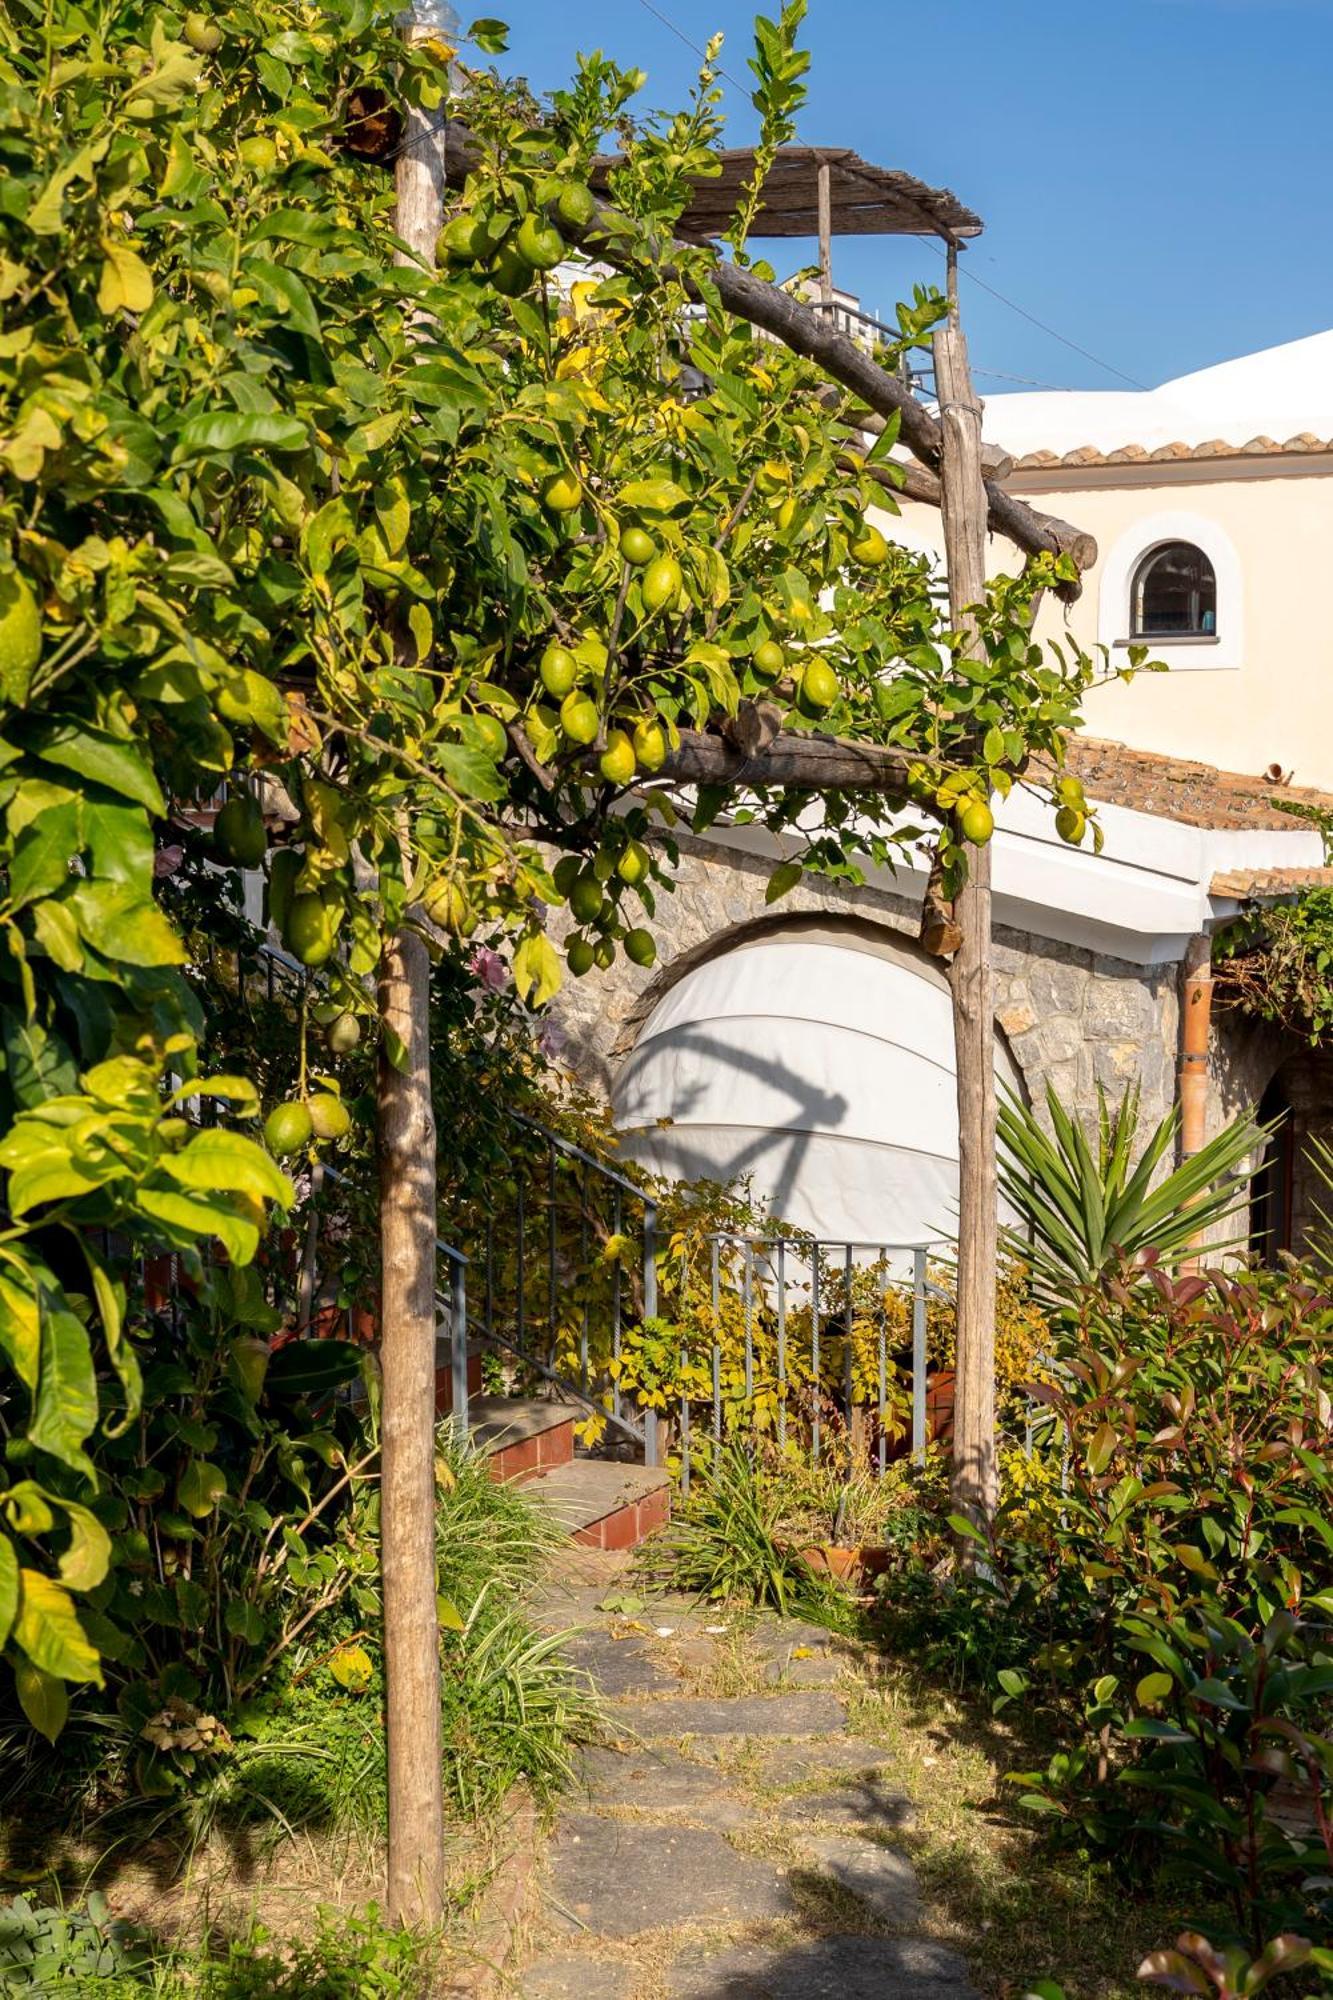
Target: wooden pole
(971,983)
(825,241)
(408,1228)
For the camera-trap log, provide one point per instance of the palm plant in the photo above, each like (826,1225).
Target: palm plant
(1085,1204)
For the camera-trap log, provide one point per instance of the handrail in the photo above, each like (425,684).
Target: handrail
(579,1153)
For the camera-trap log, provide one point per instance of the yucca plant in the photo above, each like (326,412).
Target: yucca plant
(1087,1202)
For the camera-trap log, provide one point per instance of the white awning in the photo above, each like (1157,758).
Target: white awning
(819,1064)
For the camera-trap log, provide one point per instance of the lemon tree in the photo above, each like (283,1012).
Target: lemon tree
(431,565)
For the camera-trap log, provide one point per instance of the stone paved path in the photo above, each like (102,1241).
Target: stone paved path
(735,1839)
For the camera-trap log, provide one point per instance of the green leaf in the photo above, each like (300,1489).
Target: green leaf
(228,1160)
(191,1218)
(470,772)
(235,430)
(1152,1689)
(20,1323)
(280,287)
(49,1632)
(118,923)
(653,496)
(450,1617)
(43,852)
(42,1698)
(200,1487)
(88,1557)
(783,879)
(491,37)
(9,1587)
(106,759)
(65,1404)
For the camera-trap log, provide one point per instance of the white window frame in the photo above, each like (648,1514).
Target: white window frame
(1223,650)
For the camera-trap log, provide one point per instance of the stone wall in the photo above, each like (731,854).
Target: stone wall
(1071,1017)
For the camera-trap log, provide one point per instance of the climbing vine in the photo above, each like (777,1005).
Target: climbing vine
(1275,963)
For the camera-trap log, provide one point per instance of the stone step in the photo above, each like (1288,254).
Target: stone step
(522,1436)
(601,1505)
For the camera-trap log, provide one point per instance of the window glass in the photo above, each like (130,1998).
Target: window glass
(1174,594)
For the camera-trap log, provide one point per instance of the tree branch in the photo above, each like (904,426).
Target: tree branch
(810,334)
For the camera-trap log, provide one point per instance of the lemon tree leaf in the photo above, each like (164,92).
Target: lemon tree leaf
(48,1630)
(42,1698)
(126,280)
(537,969)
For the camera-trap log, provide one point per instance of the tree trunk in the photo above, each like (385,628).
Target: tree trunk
(970,980)
(408,1228)
(407,1490)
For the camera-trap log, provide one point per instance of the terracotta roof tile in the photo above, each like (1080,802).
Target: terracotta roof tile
(1177,788)
(1260,883)
(1133,454)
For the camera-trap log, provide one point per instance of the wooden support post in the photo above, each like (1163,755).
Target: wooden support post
(408,1229)
(825,241)
(963,498)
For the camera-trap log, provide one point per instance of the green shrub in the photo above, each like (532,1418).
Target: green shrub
(1166,1604)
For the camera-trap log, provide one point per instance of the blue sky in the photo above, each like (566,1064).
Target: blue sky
(1154,175)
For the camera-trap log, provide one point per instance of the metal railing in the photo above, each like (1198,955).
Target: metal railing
(540,1261)
(808,1308)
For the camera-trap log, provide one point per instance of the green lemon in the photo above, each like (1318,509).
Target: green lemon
(462,240)
(576,205)
(640,948)
(309,930)
(650,745)
(287,1128)
(637,546)
(768,660)
(617,762)
(818,689)
(258,153)
(511,273)
(203,35)
(870,548)
(585,898)
(448,907)
(329,1116)
(559,670)
(343,1034)
(634,864)
(662,582)
(540,246)
(562,493)
(1071,825)
(605,954)
(239,832)
(283,868)
(580,956)
(579,718)
(977,822)
(490,733)
(20,635)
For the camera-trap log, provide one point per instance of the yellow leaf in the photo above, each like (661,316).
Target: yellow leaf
(537,969)
(49,1632)
(126,280)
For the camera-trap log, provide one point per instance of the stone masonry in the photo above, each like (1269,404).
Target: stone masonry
(1071,1017)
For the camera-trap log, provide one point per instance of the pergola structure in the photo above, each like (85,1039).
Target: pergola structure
(819,191)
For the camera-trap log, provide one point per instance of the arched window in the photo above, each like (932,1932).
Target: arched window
(1174,594)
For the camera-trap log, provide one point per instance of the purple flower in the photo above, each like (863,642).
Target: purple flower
(487,967)
(166,861)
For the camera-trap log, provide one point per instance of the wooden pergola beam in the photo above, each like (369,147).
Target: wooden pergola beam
(807,332)
(809,763)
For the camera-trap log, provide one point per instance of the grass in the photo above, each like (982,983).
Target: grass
(290,1816)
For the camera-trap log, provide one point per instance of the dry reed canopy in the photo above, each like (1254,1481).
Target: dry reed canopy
(863,200)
